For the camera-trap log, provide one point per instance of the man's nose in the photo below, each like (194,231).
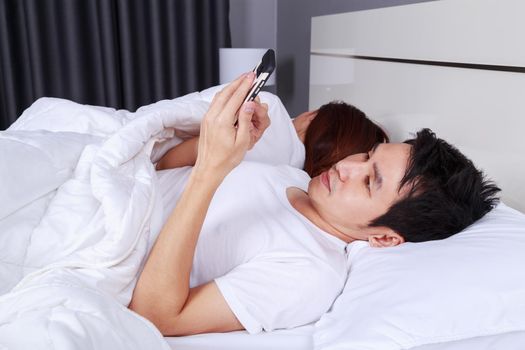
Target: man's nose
(352,167)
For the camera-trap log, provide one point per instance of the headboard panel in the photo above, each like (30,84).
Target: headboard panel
(471,93)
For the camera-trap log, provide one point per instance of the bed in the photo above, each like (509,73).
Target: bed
(66,291)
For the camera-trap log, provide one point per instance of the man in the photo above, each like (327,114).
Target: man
(274,277)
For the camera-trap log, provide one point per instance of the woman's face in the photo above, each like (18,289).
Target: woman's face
(302,121)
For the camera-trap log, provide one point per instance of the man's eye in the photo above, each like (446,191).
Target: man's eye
(367,183)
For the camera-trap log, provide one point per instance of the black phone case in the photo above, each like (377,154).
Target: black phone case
(262,72)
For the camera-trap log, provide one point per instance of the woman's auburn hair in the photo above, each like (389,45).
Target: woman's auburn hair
(338,130)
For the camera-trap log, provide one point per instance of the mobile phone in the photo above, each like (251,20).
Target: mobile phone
(263,70)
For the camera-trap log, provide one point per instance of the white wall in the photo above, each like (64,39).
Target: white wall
(285,25)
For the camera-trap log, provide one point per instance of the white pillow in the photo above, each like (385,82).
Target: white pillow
(469,285)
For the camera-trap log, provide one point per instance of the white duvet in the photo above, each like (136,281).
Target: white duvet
(79,209)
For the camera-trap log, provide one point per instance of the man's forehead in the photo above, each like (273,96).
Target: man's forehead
(401,148)
(392,161)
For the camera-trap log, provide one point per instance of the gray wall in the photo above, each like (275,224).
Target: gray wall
(253,24)
(285,26)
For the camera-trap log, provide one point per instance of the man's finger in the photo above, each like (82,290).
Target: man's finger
(244,136)
(261,111)
(237,98)
(223,96)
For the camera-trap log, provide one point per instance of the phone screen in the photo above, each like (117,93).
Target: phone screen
(262,72)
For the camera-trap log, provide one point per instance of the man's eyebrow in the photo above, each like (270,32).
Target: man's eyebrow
(378,179)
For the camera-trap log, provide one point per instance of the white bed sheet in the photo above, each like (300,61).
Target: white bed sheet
(299,338)
(506,341)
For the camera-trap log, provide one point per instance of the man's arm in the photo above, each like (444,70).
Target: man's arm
(162,293)
(205,311)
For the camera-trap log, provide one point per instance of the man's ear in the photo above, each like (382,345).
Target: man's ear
(380,237)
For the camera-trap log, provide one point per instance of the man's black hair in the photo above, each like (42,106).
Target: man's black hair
(446,193)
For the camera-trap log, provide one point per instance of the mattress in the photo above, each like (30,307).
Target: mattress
(299,338)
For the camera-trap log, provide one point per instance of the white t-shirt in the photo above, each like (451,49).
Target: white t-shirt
(274,268)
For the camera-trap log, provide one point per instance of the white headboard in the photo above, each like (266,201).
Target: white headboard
(455,66)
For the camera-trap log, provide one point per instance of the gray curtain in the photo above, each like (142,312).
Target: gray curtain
(116,53)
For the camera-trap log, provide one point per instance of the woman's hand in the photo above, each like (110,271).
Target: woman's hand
(301,123)
(230,128)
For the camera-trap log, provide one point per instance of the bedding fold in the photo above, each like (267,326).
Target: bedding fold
(79,212)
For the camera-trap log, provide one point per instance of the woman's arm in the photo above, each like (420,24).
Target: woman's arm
(184,154)
(162,293)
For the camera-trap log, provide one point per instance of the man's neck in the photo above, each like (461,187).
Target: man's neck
(301,202)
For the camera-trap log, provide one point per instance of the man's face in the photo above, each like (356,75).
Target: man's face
(360,187)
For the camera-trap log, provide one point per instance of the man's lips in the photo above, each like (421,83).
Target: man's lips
(325,179)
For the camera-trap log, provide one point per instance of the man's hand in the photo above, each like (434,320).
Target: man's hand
(185,153)
(260,122)
(222,143)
